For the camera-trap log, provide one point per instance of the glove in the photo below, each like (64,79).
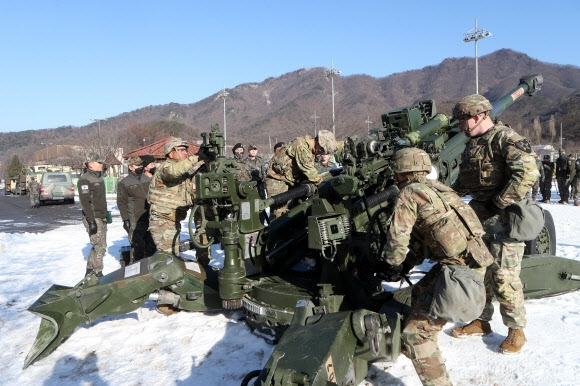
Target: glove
(391,272)
(127,225)
(92,227)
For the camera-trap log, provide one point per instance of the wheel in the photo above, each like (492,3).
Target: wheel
(545,243)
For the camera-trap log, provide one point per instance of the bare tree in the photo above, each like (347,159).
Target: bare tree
(537,128)
(552,127)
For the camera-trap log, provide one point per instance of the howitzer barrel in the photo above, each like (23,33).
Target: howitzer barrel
(528,85)
(282,198)
(438,122)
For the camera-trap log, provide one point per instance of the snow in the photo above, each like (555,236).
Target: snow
(217,348)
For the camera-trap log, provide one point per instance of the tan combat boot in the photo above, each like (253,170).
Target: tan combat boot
(514,342)
(576,202)
(477,327)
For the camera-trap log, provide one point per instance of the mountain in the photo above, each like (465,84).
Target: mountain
(281,108)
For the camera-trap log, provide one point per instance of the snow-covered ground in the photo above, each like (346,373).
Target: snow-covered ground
(145,347)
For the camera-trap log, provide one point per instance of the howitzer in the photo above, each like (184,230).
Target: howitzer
(321,256)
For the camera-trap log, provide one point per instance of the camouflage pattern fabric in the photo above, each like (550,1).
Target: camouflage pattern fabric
(99,242)
(243,172)
(498,169)
(563,187)
(502,278)
(142,244)
(576,180)
(563,168)
(294,163)
(257,173)
(425,208)
(321,168)
(536,185)
(171,194)
(498,165)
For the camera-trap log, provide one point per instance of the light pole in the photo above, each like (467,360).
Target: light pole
(368,122)
(223,94)
(314,117)
(98,120)
(331,73)
(46,143)
(473,36)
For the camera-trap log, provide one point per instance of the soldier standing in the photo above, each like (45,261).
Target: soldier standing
(132,193)
(563,177)
(575,180)
(256,166)
(243,170)
(171,194)
(34,192)
(93,199)
(293,164)
(422,208)
(498,169)
(547,171)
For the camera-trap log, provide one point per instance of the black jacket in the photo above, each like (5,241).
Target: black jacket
(92,195)
(132,197)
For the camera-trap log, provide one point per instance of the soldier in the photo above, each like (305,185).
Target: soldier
(243,170)
(498,169)
(563,167)
(256,166)
(450,229)
(539,181)
(34,192)
(132,192)
(575,176)
(548,173)
(93,198)
(171,194)
(293,164)
(324,163)
(278,146)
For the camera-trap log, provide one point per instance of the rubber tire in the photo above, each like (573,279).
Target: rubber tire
(549,232)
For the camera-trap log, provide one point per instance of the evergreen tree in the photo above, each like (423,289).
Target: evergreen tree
(15,167)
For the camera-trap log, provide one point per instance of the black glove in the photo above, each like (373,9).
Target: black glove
(92,227)
(127,225)
(390,272)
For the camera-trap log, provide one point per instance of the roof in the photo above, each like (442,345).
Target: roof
(156,149)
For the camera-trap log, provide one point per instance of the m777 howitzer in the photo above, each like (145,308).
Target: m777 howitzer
(306,277)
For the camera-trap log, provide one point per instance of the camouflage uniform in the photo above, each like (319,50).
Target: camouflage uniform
(321,168)
(256,167)
(171,195)
(421,208)
(93,198)
(132,192)
(34,192)
(563,166)
(291,166)
(498,169)
(547,172)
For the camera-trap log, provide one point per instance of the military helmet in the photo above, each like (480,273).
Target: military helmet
(95,157)
(172,144)
(411,159)
(327,141)
(471,105)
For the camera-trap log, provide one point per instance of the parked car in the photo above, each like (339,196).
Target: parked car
(57,186)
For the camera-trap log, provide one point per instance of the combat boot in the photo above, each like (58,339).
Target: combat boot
(477,327)
(576,202)
(514,342)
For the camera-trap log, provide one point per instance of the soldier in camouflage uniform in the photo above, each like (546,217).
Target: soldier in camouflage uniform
(563,168)
(547,172)
(132,192)
(243,170)
(575,175)
(437,216)
(498,169)
(34,192)
(324,164)
(93,198)
(293,165)
(171,194)
(256,165)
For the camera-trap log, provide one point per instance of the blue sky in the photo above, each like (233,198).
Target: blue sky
(65,62)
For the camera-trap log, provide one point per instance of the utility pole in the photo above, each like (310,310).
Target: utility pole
(331,73)
(368,122)
(98,120)
(473,36)
(561,136)
(223,94)
(46,143)
(315,117)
